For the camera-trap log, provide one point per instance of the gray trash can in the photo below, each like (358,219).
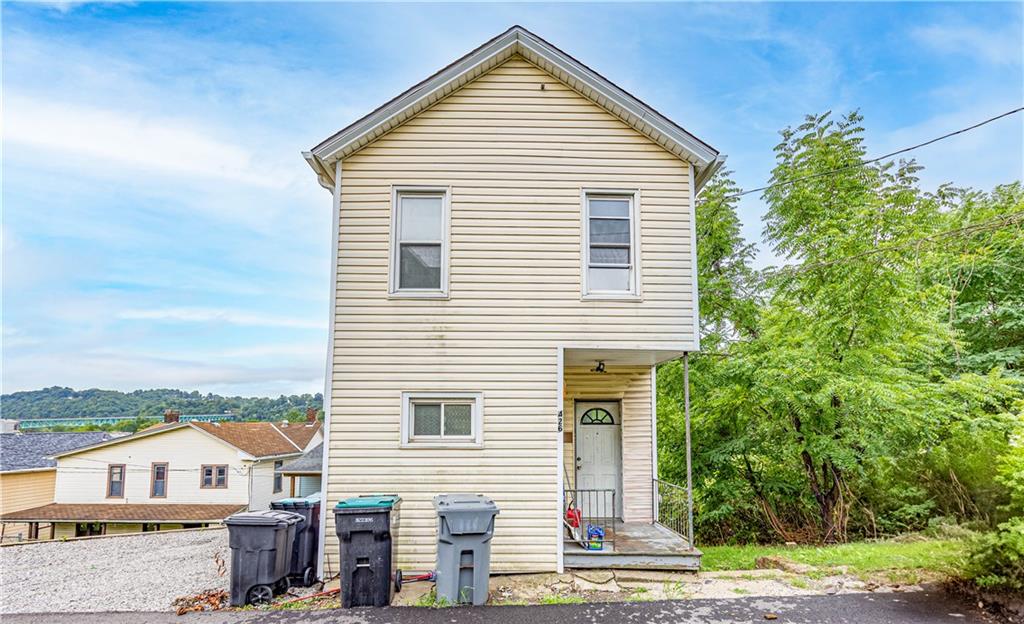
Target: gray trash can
(367,528)
(465,526)
(307,536)
(261,552)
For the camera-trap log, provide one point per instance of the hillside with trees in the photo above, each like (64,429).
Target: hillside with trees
(58,402)
(873,384)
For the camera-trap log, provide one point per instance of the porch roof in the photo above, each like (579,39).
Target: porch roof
(589,356)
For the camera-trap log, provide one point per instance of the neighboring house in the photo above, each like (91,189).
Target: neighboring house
(303,474)
(514,253)
(172,475)
(28,472)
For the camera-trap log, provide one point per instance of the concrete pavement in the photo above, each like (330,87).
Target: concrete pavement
(931,607)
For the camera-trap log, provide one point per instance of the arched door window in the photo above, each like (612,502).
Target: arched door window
(597,416)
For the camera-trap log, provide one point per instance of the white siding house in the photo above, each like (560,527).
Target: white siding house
(171,475)
(513,239)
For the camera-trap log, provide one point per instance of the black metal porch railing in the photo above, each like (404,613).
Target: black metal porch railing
(672,503)
(588,510)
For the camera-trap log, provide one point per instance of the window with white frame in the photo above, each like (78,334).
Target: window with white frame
(610,249)
(419,242)
(436,418)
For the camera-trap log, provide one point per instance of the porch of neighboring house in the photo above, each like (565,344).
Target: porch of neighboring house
(616,512)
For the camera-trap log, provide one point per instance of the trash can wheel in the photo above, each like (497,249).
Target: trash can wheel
(260,594)
(398,581)
(282,586)
(309,576)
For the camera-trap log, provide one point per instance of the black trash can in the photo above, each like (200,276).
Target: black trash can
(307,536)
(261,553)
(367,528)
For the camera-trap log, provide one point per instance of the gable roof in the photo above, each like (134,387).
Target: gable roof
(34,451)
(515,40)
(258,439)
(310,463)
(300,433)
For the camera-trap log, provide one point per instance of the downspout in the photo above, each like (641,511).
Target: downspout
(689,461)
(329,370)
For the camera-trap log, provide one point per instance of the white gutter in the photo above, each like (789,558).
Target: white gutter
(325,478)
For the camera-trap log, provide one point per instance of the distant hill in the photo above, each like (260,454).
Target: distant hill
(57,402)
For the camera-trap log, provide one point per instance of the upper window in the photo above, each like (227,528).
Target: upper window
(214,476)
(278,477)
(433,418)
(158,481)
(610,244)
(419,242)
(115,481)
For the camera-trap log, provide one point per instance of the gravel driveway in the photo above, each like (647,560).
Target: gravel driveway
(142,572)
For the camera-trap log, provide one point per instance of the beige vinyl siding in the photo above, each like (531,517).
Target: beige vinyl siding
(118,528)
(24,490)
(64,530)
(631,386)
(82,477)
(263,486)
(515,158)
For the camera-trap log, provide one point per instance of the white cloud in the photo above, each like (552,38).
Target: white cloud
(996,47)
(132,140)
(219,315)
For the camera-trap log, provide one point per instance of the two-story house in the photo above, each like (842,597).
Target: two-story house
(172,475)
(514,253)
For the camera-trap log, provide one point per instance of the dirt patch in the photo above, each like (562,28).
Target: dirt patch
(642,585)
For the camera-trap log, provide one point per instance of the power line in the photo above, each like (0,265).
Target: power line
(876,159)
(974,228)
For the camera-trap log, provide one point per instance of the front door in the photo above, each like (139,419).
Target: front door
(599,457)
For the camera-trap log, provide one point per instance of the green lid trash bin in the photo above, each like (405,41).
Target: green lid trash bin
(261,552)
(307,537)
(367,529)
(465,526)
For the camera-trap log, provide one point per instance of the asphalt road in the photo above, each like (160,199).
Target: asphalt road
(903,608)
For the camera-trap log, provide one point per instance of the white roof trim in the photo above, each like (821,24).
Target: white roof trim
(516,40)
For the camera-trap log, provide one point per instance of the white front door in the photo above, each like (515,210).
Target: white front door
(599,457)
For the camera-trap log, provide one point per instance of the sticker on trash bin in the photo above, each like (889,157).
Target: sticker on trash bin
(364,519)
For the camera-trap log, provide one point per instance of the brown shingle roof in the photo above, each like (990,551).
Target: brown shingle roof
(260,439)
(300,433)
(74,512)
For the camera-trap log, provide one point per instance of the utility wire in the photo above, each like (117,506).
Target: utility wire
(874,160)
(974,228)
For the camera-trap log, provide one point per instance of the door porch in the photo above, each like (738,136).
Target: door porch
(616,513)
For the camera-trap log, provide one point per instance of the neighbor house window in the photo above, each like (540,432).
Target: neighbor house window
(115,481)
(419,242)
(158,481)
(449,418)
(214,476)
(610,255)
(278,478)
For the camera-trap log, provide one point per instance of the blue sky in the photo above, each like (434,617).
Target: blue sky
(160,228)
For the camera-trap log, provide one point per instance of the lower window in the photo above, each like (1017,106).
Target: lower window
(442,419)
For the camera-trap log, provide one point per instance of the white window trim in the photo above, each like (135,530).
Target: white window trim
(634,293)
(474,441)
(393,271)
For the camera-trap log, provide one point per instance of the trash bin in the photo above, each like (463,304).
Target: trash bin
(367,528)
(261,552)
(307,536)
(465,526)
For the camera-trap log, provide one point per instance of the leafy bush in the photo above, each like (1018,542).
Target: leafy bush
(997,560)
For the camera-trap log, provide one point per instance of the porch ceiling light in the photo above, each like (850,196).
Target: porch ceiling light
(599,368)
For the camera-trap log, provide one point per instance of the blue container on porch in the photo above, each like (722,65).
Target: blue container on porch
(595,537)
